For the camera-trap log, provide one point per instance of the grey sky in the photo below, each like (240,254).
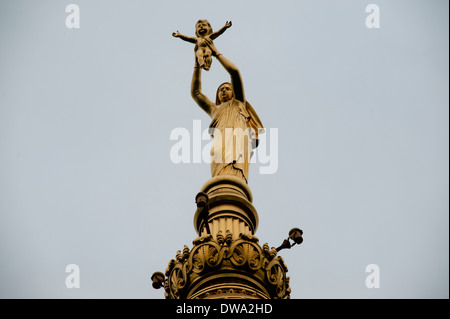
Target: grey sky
(86,114)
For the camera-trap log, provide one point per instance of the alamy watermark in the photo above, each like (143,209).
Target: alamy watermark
(373,19)
(73,19)
(373,279)
(199,147)
(73,279)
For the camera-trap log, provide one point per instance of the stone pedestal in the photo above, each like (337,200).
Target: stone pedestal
(230,207)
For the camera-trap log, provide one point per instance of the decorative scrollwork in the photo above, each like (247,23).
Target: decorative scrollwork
(204,256)
(177,281)
(276,276)
(243,253)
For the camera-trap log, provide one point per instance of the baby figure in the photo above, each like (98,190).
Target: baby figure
(203,30)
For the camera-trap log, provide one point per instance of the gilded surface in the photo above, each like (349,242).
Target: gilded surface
(235,125)
(210,256)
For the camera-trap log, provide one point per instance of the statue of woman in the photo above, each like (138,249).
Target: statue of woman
(235,125)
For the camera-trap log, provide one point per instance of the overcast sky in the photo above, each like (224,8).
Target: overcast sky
(362,117)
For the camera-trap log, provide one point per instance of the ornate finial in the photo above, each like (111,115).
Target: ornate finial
(249,237)
(170,267)
(228,238)
(202,239)
(179,256)
(220,238)
(186,252)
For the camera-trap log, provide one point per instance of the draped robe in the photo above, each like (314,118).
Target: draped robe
(234,127)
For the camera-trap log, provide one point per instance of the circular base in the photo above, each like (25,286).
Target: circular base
(230,207)
(229,286)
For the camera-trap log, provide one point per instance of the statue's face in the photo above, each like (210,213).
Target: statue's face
(202,28)
(225,93)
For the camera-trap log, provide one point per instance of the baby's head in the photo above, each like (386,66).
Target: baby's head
(203,28)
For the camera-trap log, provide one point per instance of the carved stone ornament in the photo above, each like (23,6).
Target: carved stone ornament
(227,268)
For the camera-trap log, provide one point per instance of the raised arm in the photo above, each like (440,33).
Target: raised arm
(184,37)
(214,35)
(236,79)
(196,91)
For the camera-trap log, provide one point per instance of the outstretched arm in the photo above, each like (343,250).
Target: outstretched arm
(184,37)
(236,79)
(214,35)
(196,91)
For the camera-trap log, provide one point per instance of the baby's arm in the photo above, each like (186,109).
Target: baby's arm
(220,31)
(184,37)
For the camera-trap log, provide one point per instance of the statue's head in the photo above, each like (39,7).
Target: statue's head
(224,93)
(203,28)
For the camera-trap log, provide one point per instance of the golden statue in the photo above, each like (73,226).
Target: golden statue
(235,125)
(226,261)
(203,31)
